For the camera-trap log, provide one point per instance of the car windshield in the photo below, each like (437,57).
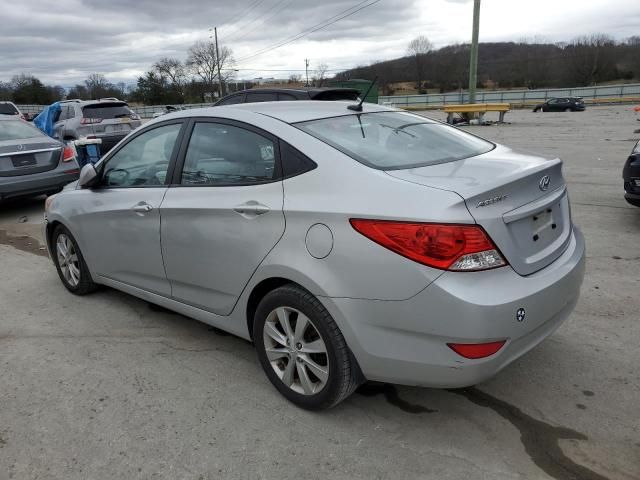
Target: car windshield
(7,109)
(17,130)
(395,140)
(107,110)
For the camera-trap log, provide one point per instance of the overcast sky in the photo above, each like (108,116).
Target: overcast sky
(62,41)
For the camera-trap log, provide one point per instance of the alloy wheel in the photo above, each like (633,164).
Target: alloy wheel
(296,351)
(68,260)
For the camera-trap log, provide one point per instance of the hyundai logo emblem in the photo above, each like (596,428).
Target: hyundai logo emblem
(20,147)
(544,182)
(520,314)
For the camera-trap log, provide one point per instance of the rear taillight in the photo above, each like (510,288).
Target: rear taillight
(68,154)
(443,246)
(476,350)
(133,116)
(90,121)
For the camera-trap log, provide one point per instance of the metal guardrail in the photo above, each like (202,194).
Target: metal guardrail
(617,92)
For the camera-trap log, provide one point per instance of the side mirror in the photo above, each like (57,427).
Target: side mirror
(88,176)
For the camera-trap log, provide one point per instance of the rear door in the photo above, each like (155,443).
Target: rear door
(223,214)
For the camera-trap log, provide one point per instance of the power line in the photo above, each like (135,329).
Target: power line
(319,26)
(265,19)
(238,15)
(253,6)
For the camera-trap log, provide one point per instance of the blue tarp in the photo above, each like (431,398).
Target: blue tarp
(45,119)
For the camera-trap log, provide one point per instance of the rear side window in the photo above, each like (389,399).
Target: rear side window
(106,111)
(220,154)
(8,109)
(395,140)
(285,97)
(261,97)
(17,130)
(335,95)
(233,100)
(294,162)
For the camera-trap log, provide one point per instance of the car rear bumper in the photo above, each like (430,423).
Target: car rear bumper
(632,199)
(37,183)
(406,341)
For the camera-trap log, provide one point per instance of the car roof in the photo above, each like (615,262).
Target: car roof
(310,90)
(298,111)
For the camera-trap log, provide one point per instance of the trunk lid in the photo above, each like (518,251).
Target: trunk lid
(519,199)
(28,156)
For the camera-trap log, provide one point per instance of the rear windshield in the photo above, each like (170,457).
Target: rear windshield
(395,140)
(107,110)
(8,109)
(17,130)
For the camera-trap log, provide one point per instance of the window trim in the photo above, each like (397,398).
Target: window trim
(172,161)
(177,173)
(242,96)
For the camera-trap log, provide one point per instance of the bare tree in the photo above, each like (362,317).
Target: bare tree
(295,78)
(320,75)
(590,59)
(97,85)
(418,48)
(203,62)
(173,69)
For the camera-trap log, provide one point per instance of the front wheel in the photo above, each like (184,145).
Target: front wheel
(72,268)
(302,350)
(568,110)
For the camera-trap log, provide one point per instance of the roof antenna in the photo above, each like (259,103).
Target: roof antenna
(358,107)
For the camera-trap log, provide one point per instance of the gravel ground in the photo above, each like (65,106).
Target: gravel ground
(105,386)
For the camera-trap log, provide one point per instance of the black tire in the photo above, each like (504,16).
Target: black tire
(85,284)
(344,375)
(568,110)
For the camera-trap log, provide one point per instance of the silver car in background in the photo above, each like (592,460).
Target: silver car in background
(32,163)
(348,246)
(107,119)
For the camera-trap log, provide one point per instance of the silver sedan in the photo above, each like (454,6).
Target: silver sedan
(347,245)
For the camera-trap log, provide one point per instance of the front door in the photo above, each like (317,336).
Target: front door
(120,218)
(225,215)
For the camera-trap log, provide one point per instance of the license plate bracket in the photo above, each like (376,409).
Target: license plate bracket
(542,222)
(21,161)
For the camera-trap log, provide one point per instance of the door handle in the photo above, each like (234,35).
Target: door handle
(142,207)
(251,209)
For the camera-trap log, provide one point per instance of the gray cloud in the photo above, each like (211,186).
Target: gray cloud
(65,40)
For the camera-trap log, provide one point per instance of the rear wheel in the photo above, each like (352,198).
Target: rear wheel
(302,350)
(567,110)
(72,268)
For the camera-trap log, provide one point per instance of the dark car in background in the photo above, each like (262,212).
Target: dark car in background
(9,108)
(107,119)
(561,104)
(631,177)
(288,94)
(31,162)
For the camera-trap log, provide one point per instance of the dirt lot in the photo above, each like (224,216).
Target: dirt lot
(106,387)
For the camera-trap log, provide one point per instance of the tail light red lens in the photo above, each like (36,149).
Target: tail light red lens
(443,246)
(68,154)
(476,350)
(90,121)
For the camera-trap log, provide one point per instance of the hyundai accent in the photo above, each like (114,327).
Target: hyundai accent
(347,245)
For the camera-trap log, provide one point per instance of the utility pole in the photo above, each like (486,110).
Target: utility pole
(473,62)
(220,89)
(306,68)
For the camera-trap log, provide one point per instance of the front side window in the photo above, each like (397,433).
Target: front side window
(143,161)
(220,154)
(395,140)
